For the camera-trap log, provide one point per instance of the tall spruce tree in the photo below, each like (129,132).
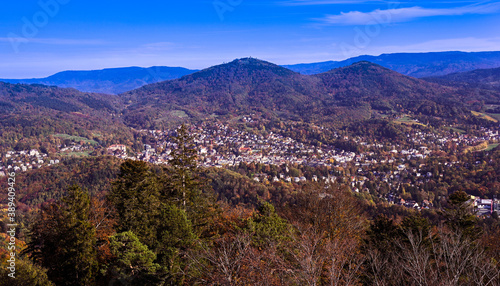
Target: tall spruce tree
(460,215)
(153,215)
(136,198)
(182,182)
(63,240)
(184,186)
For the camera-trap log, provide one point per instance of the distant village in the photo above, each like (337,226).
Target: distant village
(221,146)
(22,161)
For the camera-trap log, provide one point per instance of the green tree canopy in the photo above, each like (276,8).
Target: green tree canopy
(63,240)
(134,262)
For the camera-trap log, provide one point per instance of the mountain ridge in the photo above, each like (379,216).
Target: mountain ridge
(244,86)
(480,78)
(413,64)
(249,85)
(120,80)
(109,81)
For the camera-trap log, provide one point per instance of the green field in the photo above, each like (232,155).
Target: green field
(178,113)
(484,116)
(494,115)
(492,146)
(458,130)
(77,154)
(76,138)
(408,121)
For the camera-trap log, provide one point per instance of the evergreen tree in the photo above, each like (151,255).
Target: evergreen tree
(136,198)
(182,182)
(133,263)
(63,240)
(154,216)
(183,186)
(268,226)
(175,235)
(460,215)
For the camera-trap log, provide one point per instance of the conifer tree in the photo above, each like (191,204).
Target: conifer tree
(136,198)
(133,263)
(460,215)
(183,162)
(63,240)
(184,186)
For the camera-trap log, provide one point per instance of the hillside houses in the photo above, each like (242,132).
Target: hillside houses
(23,161)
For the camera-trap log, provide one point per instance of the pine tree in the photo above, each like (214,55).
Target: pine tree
(183,162)
(136,198)
(175,234)
(133,263)
(460,215)
(152,215)
(63,240)
(268,226)
(184,186)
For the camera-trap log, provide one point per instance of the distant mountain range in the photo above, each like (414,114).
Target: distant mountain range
(244,86)
(413,64)
(119,80)
(481,78)
(110,81)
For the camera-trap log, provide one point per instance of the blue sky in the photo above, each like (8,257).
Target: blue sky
(39,38)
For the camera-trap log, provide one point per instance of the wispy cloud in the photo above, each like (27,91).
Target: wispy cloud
(327,2)
(159,46)
(468,44)
(333,2)
(399,15)
(53,41)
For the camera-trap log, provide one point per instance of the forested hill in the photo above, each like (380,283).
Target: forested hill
(29,114)
(249,85)
(244,86)
(481,78)
(18,97)
(385,89)
(241,86)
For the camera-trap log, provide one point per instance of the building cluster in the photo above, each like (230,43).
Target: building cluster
(219,145)
(24,160)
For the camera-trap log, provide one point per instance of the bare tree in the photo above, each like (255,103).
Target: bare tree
(414,257)
(462,261)
(452,259)
(307,258)
(381,270)
(222,263)
(344,261)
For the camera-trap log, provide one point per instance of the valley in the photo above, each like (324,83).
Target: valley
(256,136)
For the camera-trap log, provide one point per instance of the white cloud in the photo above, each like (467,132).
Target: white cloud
(398,15)
(414,2)
(327,2)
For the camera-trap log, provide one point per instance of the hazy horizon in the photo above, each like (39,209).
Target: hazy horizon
(41,38)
